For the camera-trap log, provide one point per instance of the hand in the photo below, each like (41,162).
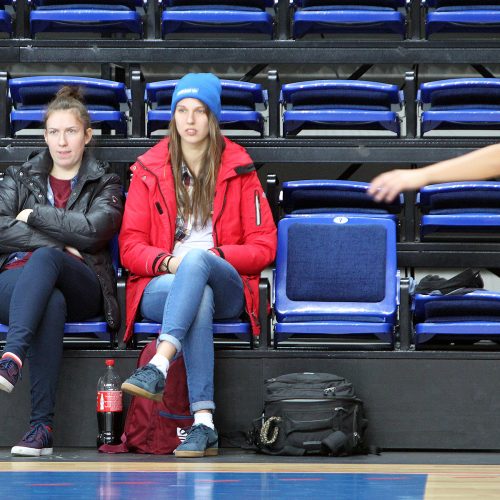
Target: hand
(73,251)
(387,186)
(173,264)
(24,214)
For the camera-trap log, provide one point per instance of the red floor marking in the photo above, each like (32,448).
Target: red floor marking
(52,484)
(387,478)
(135,482)
(218,481)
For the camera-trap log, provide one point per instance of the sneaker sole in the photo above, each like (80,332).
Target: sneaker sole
(137,391)
(209,452)
(31,452)
(5,385)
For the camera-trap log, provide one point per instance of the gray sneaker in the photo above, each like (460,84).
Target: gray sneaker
(147,381)
(201,441)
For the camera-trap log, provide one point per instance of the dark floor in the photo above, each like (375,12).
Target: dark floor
(237,456)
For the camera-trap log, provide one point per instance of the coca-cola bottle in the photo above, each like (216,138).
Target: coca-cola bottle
(109,406)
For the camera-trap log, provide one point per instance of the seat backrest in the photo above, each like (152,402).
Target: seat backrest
(256,4)
(234,93)
(460,91)
(336,268)
(39,90)
(466,195)
(327,196)
(130,4)
(393,4)
(438,4)
(340,92)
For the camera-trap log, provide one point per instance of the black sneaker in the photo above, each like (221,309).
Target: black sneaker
(9,374)
(35,443)
(147,381)
(201,441)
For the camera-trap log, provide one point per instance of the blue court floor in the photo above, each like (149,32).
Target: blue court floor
(211,485)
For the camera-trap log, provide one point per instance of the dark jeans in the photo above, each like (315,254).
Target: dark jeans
(35,301)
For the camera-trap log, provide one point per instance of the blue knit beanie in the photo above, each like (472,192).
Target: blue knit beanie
(203,86)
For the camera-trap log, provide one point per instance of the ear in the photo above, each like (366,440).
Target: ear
(45,135)
(88,135)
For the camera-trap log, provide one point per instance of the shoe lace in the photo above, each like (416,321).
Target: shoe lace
(146,373)
(32,434)
(193,433)
(11,367)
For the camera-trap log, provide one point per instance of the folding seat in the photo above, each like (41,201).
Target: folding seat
(460,319)
(462,103)
(353,16)
(460,210)
(5,18)
(217,16)
(107,101)
(340,104)
(314,197)
(239,330)
(240,101)
(336,275)
(462,16)
(91,16)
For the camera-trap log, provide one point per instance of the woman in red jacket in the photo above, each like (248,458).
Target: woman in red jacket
(197,232)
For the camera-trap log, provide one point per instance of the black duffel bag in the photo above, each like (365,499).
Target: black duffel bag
(310,413)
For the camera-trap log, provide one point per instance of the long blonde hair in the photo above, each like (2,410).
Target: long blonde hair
(199,206)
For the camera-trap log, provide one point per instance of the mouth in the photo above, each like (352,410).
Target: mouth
(190,131)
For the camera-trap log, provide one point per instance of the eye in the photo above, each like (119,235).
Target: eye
(52,132)
(200,111)
(72,131)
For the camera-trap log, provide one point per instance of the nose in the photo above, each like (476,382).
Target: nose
(190,117)
(62,139)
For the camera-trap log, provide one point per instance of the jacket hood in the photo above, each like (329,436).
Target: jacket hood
(235,159)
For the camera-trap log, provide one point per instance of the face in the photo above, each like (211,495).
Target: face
(191,120)
(66,138)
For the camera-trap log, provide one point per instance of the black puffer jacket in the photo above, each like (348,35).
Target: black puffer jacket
(90,220)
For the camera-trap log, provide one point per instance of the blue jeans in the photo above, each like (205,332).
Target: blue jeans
(35,301)
(205,287)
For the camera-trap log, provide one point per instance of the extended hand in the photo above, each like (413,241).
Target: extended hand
(387,186)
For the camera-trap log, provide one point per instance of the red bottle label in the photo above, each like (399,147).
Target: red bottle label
(109,401)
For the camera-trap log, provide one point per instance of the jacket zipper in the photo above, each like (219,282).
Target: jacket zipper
(257,208)
(216,242)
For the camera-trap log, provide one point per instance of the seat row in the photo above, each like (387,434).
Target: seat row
(336,272)
(241,17)
(318,107)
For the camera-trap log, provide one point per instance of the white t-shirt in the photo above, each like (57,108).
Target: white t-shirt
(198,238)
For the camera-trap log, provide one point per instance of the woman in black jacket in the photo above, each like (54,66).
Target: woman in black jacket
(58,213)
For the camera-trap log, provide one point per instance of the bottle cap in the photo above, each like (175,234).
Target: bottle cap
(110,362)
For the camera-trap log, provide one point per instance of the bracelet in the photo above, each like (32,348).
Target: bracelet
(168,262)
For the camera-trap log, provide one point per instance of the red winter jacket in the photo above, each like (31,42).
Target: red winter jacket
(244,232)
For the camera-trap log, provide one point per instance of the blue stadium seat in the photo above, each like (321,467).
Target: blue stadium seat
(90,16)
(344,104)
(217,16)
(352,16)
(5,18)
(473,316)
(336,276)
(240,101)
(466,210)
(239,329)
(462,16)
(105,100)
(470,103)
(329,196)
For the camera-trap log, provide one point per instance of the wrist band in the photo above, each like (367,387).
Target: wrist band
(168,262)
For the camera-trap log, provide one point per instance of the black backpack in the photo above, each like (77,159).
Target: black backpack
(310,413)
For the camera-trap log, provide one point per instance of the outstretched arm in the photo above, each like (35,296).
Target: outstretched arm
(483,163)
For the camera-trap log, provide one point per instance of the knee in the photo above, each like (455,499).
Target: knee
(46,255)
(196,258)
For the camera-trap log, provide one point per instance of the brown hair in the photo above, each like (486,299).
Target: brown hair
(69,97)
(200,204)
